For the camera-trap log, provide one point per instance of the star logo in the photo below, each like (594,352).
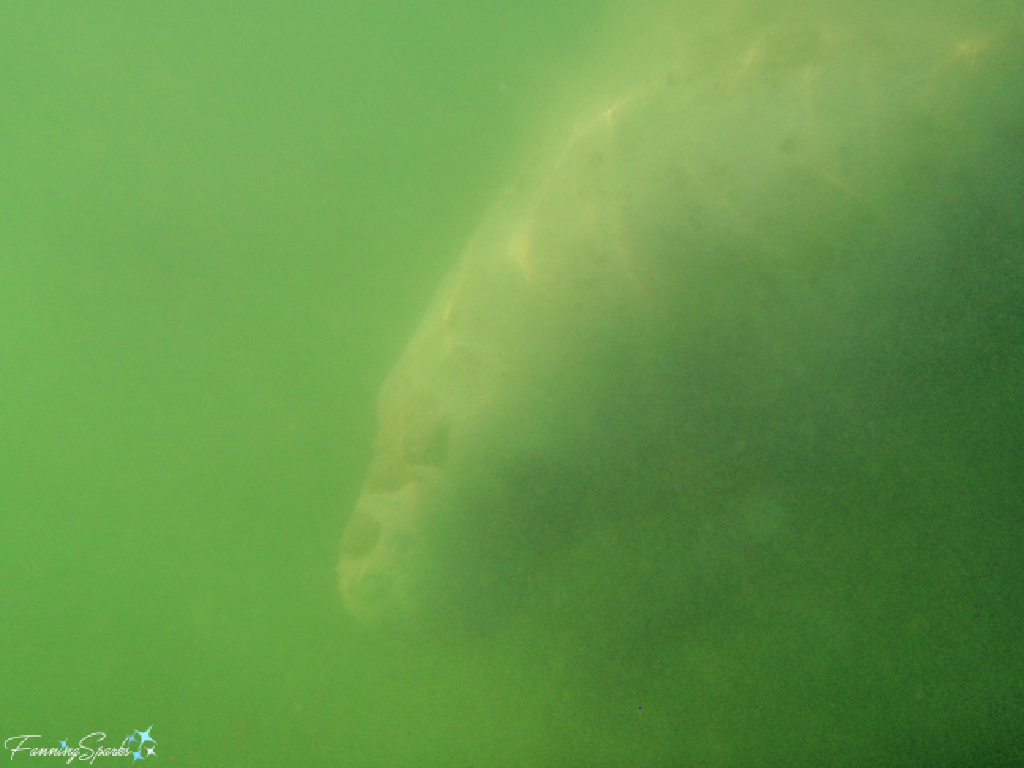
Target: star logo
(143,737)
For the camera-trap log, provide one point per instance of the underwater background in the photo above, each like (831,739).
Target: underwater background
(219,224)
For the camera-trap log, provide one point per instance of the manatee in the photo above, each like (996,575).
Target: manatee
(698,333)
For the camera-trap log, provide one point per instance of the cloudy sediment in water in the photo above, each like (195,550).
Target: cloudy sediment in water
(542,384)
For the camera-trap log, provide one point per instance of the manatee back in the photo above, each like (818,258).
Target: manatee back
(724,402)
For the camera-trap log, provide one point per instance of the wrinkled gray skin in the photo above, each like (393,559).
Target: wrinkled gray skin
(702,374)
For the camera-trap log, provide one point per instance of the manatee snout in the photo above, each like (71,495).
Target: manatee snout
(379,549)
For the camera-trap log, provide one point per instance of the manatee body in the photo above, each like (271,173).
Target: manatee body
(733,375)
(734,237)
(724,402)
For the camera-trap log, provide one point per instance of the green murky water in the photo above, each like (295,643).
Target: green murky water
(218,225)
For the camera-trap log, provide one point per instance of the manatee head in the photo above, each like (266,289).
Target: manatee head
(384,548)
(381,544)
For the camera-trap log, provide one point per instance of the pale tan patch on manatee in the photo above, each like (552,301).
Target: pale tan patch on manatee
(520,245)
(361,535)
(415,436)
(963,58)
